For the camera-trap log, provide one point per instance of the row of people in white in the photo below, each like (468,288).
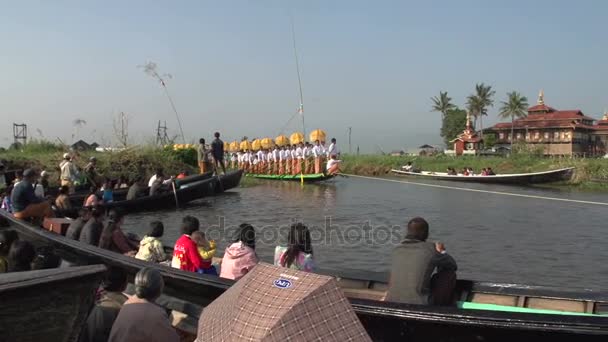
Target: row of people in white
(286,153)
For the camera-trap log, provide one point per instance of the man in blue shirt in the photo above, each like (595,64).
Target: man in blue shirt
(25,203)
(217,150)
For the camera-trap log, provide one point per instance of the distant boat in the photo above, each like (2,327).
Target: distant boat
(508,178)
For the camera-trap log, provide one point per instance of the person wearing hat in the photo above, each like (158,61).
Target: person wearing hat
(140,319)
(39,186)
(90,171)
(68,172)
(25,203)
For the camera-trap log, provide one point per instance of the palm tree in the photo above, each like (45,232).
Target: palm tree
(442,103)
(479,102)
(515,107)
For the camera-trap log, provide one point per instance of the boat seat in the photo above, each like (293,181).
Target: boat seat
(364,294)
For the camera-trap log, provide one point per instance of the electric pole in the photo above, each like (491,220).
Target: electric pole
(350,150)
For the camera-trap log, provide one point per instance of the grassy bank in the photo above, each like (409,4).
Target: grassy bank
(141,160)
(591,174)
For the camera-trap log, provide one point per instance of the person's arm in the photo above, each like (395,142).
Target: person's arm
(210,253)
(442,260)
(121,241)
(194,257)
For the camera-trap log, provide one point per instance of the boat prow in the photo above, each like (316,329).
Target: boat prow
(563,174)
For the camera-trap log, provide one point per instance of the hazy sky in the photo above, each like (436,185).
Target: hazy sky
(370,65)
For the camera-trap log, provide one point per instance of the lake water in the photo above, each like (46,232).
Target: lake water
(356,222)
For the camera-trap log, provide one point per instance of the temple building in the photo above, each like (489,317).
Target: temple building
(558,132)
(467,142)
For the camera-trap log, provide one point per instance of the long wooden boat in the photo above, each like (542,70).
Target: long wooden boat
(120,194)
(308,178)
(485,312)
(185,194)
(512,178)
(47,305)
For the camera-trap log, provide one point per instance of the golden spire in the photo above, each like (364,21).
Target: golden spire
(605,114)
(468,120)
(541,97)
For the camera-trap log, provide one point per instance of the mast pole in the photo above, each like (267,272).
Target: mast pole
(295,52)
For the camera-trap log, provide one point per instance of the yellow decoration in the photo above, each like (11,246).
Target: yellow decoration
(256,145)
(226,146)
(234,146)
(317,134)
(296,138)
(281,140)
(245,145)
(267,143)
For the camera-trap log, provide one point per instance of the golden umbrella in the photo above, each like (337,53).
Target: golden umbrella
(245,145)
(317,134)
(226,146)
(256,145)
(267,143)
(281,140)
(234,146)
(296,138)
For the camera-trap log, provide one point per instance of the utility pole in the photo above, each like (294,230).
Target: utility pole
(162,138)
(20,134)
(350,150)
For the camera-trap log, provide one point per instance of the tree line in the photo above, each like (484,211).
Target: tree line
(477,104)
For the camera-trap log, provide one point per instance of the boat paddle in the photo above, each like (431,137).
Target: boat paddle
(175,193)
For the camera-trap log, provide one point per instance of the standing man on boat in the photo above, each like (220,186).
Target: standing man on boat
(333,149)
(69,173)
(414,261)
(203,156)
(217,150)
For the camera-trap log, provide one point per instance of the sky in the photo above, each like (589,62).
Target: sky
(369,65)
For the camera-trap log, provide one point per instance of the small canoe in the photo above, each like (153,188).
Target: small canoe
(185,194)
(511,178)
(484,312)
(47,305)
(308,178)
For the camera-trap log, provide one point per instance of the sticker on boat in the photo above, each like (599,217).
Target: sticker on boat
(282,283)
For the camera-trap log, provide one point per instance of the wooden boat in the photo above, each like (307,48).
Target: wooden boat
(120,194)
(47,305)
(486,311)
(308,178)
(185,194)
(512,178)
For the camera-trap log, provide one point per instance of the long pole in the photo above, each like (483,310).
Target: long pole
(350,151)
(295,52)
(179,121)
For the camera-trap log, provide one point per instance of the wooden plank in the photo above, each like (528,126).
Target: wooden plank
(556,304)
(364,294)
(490,298)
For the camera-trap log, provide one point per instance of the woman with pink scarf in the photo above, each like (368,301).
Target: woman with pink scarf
(239,257)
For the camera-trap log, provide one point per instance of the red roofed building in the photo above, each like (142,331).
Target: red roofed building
(467,142)
(559,132)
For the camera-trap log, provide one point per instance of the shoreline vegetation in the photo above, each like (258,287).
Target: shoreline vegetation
(591,173)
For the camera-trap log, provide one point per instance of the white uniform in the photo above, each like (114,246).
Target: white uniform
(332,162)
(299,153)
(317,151)
(261,156)
(332,150)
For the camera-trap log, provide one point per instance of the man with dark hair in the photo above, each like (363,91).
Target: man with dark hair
(111,299)
(217,150)
(140,319)
(414,261)
(136,188)
(185,251)
(25,203)
(76,226)
(91,232)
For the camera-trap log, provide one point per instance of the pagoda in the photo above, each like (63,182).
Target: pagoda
(467,142)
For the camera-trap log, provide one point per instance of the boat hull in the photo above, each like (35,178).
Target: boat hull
(522,178)
(47,305)
(309,178)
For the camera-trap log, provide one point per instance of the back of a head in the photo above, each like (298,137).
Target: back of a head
(83,213)
(201,141)
(148,284)
(417,229)
(115,280)
(7,238)
(96,213)
(156,229)
(216,134)
(115,215)
(299,237)
(20,256)
(190,224)
(64,190)
(45,258)
(246,235)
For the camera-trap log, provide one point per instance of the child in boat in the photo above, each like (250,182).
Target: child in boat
(108,192)
(298,253)
(206,249)
(150,247)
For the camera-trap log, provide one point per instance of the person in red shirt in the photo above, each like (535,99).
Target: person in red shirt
(185,252)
